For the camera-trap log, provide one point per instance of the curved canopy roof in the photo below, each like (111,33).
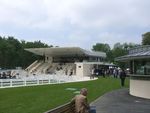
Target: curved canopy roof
(65,52)
(142,52)
(141,55)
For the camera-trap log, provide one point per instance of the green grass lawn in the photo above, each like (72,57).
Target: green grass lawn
(37,99)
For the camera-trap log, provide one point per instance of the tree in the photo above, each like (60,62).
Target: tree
(121,50)
(12,53)
(104,48)
(25,55)
(101,47)
(146,38)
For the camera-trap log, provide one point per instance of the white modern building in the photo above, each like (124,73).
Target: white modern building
(66,61)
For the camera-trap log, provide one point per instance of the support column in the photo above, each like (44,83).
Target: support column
(133,66)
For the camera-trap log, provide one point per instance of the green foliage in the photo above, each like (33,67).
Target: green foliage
(117,51)
(121,50)
(35,44)
(146,39)
(102,47)
(38,99)
(12,53)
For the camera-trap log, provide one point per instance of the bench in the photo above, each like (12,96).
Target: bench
(66,108)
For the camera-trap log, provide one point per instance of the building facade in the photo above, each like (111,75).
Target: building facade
(139,60)
(69,60)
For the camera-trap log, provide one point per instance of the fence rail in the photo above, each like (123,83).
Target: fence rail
(39,80)
(6,83)
(66,108)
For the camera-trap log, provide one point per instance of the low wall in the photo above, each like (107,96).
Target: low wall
(140,86)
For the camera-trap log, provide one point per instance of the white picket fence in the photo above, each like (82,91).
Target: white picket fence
(7,83)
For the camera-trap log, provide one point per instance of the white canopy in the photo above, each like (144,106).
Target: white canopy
(65,51)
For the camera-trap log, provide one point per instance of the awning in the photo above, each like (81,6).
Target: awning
(97,63)
(139,55)
(65,52)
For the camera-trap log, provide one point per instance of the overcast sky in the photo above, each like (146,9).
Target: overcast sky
(80,23)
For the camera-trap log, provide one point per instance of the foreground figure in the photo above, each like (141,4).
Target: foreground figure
(81,103)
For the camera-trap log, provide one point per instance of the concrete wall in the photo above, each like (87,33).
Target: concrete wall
(140,88)
(83,69)
(86,69)
(79,69)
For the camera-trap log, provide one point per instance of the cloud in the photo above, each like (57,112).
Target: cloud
(75,22)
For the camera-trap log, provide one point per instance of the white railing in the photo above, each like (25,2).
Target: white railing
(6,83)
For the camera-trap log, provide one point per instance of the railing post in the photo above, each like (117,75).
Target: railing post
(1,83)
(49,80)
(11,83)
(38,81)
(25,82)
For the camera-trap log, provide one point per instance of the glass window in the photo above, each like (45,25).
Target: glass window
(139,67)
(147,68)
(142,67)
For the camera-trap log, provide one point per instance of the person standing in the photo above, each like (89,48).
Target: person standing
(92,73)
(81,103)
(122,77)
(115,73)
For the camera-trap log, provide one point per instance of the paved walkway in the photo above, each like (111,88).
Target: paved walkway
(120,101)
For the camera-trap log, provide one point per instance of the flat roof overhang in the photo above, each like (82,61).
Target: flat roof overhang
(97,63)
(65,52)
(128,58)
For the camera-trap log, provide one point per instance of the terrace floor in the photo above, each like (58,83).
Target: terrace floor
(120,101)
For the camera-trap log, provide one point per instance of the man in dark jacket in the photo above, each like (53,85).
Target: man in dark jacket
(122,77)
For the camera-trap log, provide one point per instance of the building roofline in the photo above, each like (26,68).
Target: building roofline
(65,51)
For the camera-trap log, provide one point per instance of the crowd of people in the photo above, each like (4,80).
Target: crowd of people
(97,72)
(115,72)
(7,75)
